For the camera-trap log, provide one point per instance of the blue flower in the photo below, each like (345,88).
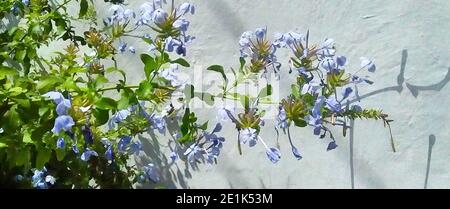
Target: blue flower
(315,118)
(60,143)
(159,123)
(326,49)
(181,24)
(122,47)
(159,16)
(333,105)
(193,153)
(317,106)
(63,107)
(181,50)
(273,154)
(119,15)
(341,60)
(75,149)
(109,154)
(57,97)
(311,88)
(26,2)
(38,177)
(87,154)
(171,43)
(295,41)
(332,145)
(87,133)
(248,135)
(357,80)
(316,122)
(123,143)
(296,153)
(169,74)
(50,179)
(217,128)
(151,172)
(329,64)
(346,92)
(260,33)
(118,117)
(368,64)
(38,180)
(63,122)
(281,120)
(222,114)
(136,147)
(185,8)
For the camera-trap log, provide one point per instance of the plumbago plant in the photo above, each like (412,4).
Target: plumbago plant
(65,123)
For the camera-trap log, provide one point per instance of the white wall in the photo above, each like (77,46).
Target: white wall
(409,41)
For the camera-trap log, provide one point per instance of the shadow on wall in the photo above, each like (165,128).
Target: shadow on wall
(171,175)
(432,140)
(399,87)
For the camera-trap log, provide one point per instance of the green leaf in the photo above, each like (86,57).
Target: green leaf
(148,40)
(48,83)
(242,62)
(27,137)
(7,71)
(219,69)
(106,103)
(144,90)
(185,122)
(204,126)
(150,64)
(3,145)
(20,55)
(184,139)
(43,157)
(83,8)
(60,154)
(295,91)
(23,156)
(300,122)
(266,91)
(181,62)
(101,116)
(245,101)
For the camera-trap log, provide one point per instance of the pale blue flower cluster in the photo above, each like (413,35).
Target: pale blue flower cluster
(41,179)
(154,12)
(64,121)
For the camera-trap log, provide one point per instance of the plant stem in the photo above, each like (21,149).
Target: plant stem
(117,87)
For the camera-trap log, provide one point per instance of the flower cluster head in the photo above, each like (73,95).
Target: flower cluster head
(260,50)
(171,25)
(41,179)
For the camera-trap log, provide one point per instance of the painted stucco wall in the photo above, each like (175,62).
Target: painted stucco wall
(410,42)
